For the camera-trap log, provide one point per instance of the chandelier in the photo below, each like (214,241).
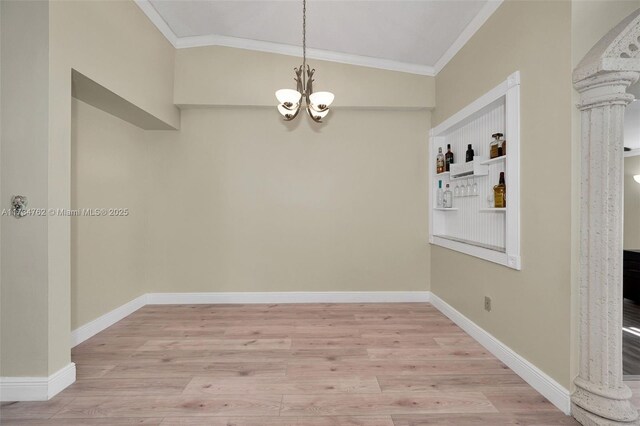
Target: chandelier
(317,103)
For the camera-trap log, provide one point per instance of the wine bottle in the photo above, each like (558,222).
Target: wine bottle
(448,158)
(447,198)
(469,153)
(500,193)
(440,161)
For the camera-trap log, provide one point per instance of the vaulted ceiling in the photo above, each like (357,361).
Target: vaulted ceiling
(411,36)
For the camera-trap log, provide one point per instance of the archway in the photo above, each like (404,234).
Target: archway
(602,79)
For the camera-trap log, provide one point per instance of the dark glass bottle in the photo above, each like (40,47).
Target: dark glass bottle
(469,153)
(448,158)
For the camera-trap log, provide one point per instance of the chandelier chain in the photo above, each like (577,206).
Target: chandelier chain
(304,36)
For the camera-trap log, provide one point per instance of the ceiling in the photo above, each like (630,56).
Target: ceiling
(412,36)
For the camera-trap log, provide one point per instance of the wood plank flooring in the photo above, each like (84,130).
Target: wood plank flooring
(288,365)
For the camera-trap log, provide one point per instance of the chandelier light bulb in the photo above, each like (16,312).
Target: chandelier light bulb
(288,97)
(320,101)
(287,113)
(318,115)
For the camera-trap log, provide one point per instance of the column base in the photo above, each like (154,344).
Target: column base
(585,418)
(593,405)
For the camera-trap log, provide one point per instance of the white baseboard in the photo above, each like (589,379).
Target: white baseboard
(37,388)
(94,327)
(557,394)
(288,297)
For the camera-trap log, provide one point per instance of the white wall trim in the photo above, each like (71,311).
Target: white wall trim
(37,388)
(289,297)
(319,54)
(557,394)
(475,24)
(94,327)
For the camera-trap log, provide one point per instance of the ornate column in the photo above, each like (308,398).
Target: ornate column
(601,397)
(602,78)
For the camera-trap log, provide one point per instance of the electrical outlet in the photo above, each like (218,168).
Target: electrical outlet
(487,303)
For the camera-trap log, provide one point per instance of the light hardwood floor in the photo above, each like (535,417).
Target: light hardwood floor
(288,365)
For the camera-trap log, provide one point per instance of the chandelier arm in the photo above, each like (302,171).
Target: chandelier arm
(317,120)
(293,116)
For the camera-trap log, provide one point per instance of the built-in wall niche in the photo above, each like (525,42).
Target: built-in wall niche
(473,225)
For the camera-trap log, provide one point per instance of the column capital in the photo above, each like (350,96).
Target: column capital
(606,89)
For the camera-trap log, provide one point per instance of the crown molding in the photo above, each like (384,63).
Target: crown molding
(157,20)
(319,54)
(291,50)
(475,24)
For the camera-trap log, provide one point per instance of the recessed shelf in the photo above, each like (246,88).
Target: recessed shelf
(478,228)
(493,210)
(472,243)
(494,160)
(443,209)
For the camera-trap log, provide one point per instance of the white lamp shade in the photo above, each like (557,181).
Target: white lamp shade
(321,100)
(287,113)
(637,178)
(288,96)
(318,114)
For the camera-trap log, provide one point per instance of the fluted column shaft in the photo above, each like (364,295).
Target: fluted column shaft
(601,397)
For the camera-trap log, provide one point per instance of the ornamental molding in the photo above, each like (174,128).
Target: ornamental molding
(619,50)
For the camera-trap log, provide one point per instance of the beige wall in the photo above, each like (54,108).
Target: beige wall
(42,42)
(226,76)
(531,309)
(245,202)
(94,38)
(631,203)
(110,169)
(24,309)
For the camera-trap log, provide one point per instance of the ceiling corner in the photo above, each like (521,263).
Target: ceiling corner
(476,23)
(157,20)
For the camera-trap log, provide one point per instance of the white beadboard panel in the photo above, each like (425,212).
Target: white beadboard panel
(496,111)
(468,224)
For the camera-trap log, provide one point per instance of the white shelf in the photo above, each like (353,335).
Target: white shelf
(494,210)
(443,209)
(442,174)
(469,169)
(494,160)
